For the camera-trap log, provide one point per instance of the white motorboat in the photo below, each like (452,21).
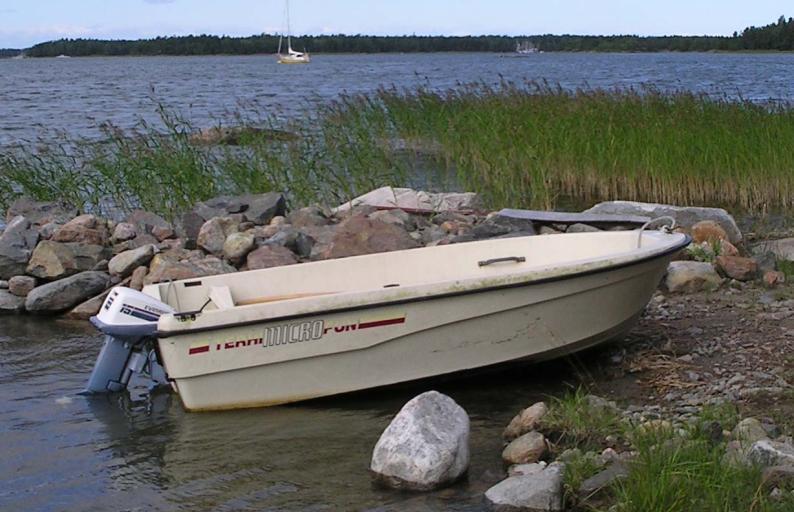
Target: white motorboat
(304,331)
(292,56)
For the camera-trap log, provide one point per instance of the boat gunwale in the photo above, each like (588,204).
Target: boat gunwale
(161,334)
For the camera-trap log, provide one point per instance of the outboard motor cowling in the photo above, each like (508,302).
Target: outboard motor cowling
(129,320)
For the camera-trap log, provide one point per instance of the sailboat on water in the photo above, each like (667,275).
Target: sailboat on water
(291,57)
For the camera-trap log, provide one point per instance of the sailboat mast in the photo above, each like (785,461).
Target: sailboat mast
(289,28)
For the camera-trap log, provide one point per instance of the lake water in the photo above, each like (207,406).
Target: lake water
(61,451)
(39,97)
(64,452)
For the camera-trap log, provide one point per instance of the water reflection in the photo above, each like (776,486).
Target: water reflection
(62,451)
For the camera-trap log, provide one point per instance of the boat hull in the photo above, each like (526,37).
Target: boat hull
(286,59)
(319,355)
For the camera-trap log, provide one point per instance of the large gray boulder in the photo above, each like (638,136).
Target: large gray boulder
(16,246)
(685,216)
(124,264)
(426,446)
(54,260)
(66,293)
(691,277)
(409,199)
(534,491)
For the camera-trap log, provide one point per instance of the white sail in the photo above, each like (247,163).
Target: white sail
(292,56)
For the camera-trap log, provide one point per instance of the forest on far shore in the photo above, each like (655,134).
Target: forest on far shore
(777,36)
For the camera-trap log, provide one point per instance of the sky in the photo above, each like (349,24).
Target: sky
(26,22)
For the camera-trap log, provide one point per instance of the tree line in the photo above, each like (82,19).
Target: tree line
(776,36)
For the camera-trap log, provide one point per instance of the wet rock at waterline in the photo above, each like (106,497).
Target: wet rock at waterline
(64,294)
(16,246)
(525,449)
(691,277)
(526,421)
(426,446)
(535,491)
(54,260)
(10,303)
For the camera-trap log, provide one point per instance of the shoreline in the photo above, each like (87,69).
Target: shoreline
(451,52)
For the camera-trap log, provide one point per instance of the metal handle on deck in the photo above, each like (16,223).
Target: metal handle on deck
(666,229)
(515,259)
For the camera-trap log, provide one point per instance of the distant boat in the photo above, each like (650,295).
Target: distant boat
(526,48)
(62,56)
(291,57)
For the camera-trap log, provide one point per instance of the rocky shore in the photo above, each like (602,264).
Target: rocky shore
(54,260)
(711,360)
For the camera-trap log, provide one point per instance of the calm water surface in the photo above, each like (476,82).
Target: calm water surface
(38,96)
(63,451)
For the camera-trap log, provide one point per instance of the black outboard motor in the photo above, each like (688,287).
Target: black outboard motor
(129,320)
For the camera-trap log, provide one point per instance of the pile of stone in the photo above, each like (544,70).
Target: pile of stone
(54,260)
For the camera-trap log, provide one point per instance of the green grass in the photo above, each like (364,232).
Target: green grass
(163,170)
(787,267)
(672,475)
(675,469)
(572,421)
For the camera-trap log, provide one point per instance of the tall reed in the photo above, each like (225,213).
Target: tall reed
(521,145)
(532,144)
